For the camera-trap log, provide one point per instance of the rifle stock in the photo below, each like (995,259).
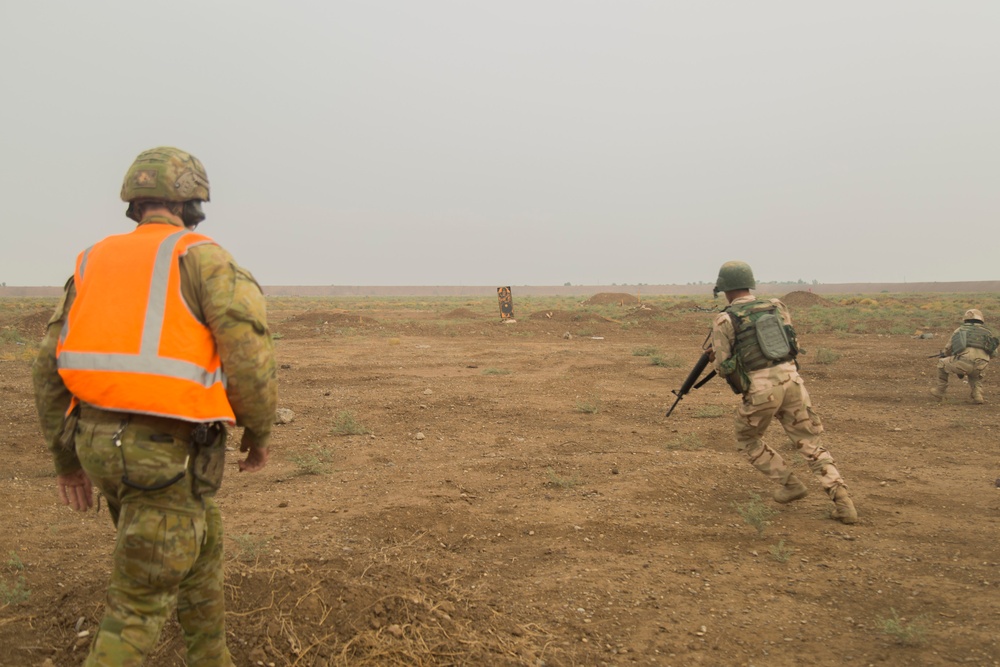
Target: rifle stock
(692,381)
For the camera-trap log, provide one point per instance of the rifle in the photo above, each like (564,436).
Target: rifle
(692,381)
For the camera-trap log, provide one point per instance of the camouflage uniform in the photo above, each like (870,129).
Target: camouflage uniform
(775,391)
(169,540)
(969,363)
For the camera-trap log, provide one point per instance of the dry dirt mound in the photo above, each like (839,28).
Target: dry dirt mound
(321,323)
(802,299)
(605,298)
(645,311)
(685,305)
(461,314)
(33,324)
(566,316)
(321,317)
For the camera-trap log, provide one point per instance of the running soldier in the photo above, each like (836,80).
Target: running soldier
(754,348)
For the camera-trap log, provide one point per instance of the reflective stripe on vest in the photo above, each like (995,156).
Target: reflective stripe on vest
(185,380)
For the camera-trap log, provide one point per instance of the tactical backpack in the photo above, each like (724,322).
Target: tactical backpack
(762,340)
(973,335)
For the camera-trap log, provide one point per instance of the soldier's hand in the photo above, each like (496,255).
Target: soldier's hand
(76,490)
(256,457)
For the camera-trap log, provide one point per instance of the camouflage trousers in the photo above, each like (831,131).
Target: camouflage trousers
(168,549)
(969,366)
(787,400)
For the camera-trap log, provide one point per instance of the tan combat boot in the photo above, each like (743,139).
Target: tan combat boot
(844,511)
(792,490)
(977,395)
(942,385)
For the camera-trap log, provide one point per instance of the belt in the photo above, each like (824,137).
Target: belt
(176,428)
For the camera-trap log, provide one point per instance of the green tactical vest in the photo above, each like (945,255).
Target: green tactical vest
(762,338)
(973,335)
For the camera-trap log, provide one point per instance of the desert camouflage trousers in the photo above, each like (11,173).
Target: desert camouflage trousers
(168,549)
(971,365)
(788,400)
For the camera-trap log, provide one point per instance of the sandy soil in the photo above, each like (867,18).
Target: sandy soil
(521,500)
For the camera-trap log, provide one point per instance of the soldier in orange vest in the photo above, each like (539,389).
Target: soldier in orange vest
(159,344)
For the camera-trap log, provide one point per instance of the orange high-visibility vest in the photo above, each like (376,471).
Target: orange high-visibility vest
(130,343)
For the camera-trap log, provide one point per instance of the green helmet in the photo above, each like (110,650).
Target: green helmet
(165,174)
(734,275)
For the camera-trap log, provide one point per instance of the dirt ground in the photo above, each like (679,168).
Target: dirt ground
(520,499)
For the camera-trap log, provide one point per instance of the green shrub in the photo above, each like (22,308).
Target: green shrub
(780,552)
(755,513)
(912,633)
(825,355)
(561,482)
(347,424)
(689,442)
(250,547)
(589,406)
(317,461)
(669,361)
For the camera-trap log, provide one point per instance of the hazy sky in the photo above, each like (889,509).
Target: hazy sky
(517,142)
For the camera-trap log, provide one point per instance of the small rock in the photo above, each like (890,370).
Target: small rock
(283,503)
(419,436)
(283,416)
(395,630)
(428,391)
(285,367)
(567,335)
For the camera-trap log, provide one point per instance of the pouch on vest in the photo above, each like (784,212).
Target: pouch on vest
(734,375)
(209,441)
(772,337)
(958,342)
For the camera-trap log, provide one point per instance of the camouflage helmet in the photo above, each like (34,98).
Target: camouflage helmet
(973,314)
(733,276)
(165,174)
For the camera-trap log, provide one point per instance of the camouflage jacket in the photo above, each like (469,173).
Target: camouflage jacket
(224,296)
